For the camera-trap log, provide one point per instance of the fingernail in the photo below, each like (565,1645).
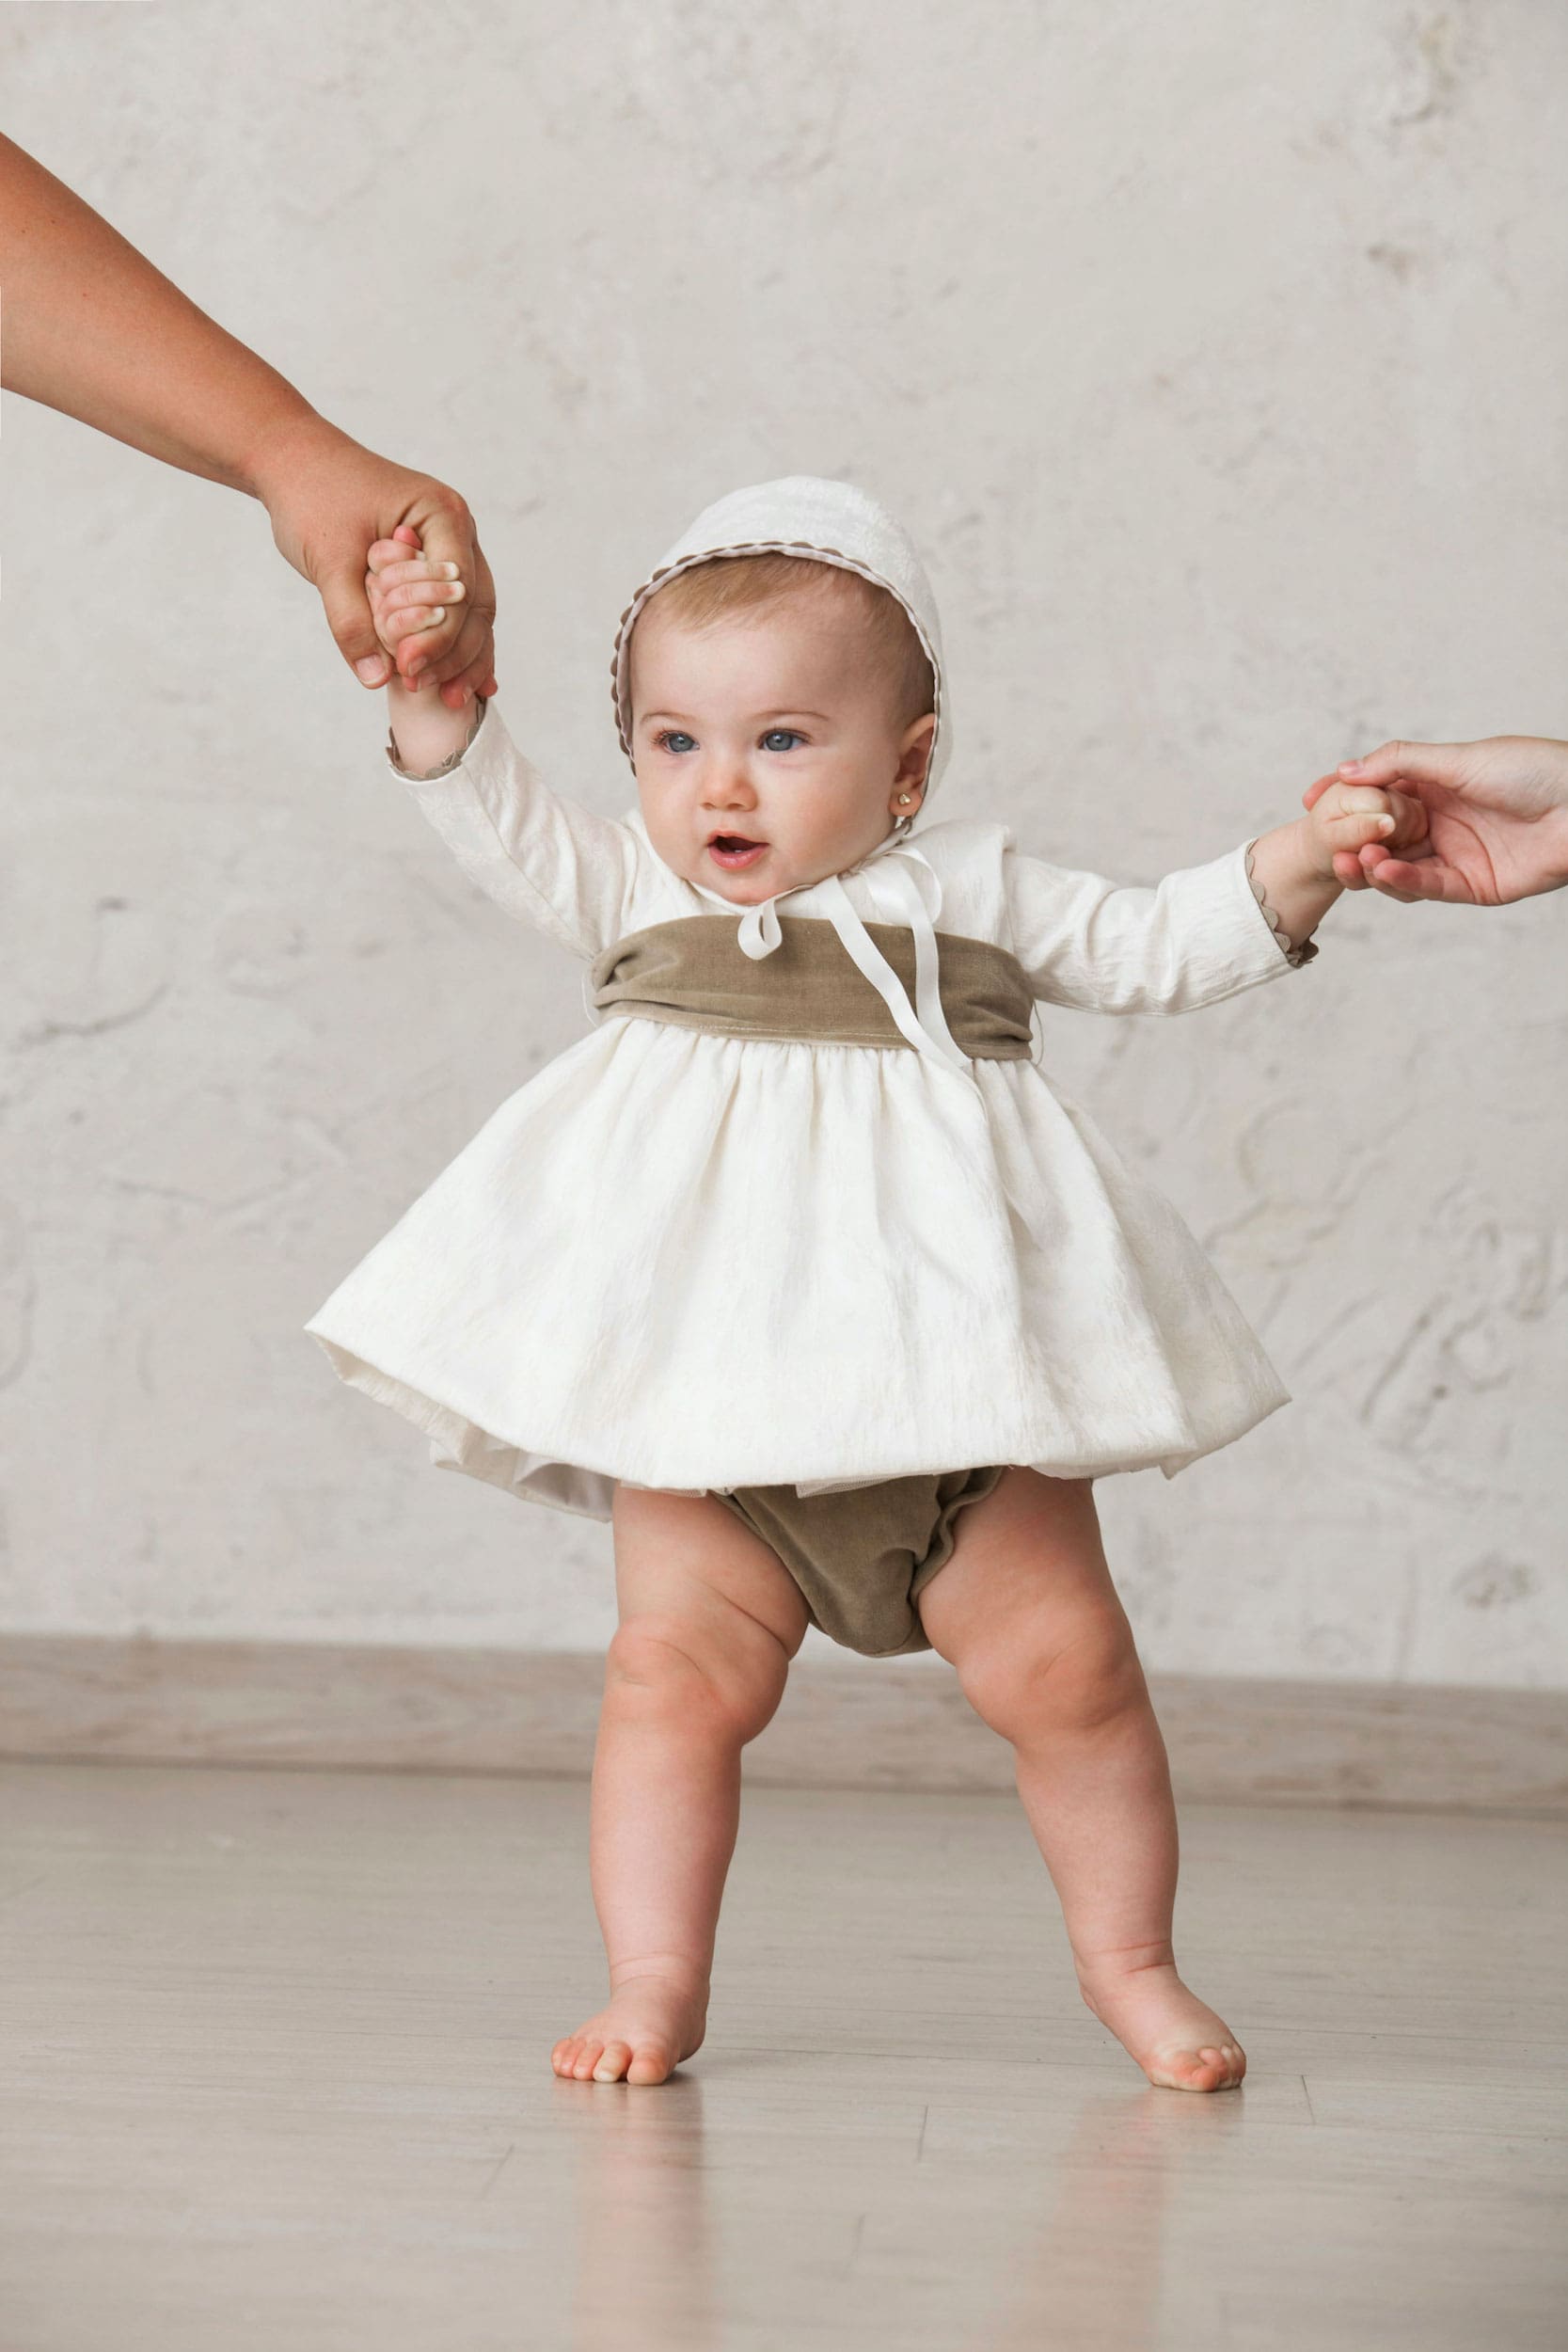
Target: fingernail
(1386,824)
(372,669)
(438,612)
(450,570)
(1349,768)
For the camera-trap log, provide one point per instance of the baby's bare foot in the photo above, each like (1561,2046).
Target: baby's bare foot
(646,2028)
(1176,2038)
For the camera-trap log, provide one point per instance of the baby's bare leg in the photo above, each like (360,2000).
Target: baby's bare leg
(709,1622)
(1026,1610)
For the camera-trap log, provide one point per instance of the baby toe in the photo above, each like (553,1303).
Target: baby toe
(651,2064)
(612,2065)
(1190,2069)
(1219,2067)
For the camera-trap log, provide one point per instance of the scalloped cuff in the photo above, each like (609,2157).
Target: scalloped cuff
(1293,955)
(453,759)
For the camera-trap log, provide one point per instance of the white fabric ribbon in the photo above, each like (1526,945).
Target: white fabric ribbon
(905,888)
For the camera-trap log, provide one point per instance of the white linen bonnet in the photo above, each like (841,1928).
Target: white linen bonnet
(828,522)
(834,522)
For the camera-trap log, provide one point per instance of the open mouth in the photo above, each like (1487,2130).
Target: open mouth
(735,849)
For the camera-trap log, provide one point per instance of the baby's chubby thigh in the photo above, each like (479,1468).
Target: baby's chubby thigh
(709,1616)
(1026,1603)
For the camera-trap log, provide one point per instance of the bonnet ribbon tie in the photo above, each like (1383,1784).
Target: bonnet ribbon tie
(906,889)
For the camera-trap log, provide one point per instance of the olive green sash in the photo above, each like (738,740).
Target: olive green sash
(692,971)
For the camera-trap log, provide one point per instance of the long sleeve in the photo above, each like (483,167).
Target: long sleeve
(1202,934)
(546,859)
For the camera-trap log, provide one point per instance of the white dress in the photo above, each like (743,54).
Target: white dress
(695,1261)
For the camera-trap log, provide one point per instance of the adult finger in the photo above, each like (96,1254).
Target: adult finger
(472,658)
(471,655)
(1415,822)
(348,616)
(436,524)
(457,691)
(476,638)
(1399,878)
(444,527)
(478,678)
(1424,763)
(435,663)
(330,501)
(447,533)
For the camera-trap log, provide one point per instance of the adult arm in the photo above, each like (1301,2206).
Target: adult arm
(93,329)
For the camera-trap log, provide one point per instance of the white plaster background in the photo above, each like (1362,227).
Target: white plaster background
(1216,358)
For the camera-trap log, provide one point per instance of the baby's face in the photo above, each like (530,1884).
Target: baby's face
(772,727)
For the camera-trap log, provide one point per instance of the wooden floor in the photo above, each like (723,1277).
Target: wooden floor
(274,2072)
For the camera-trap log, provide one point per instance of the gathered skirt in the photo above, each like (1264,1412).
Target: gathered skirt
(699,1262)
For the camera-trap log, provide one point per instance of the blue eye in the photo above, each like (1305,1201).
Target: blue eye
(780,739)
(671,739)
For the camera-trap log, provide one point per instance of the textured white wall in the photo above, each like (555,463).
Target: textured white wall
(1216,358)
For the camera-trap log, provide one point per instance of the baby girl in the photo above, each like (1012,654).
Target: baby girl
(798,1267)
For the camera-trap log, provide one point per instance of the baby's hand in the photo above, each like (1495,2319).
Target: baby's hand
(409,596)
(1347,816)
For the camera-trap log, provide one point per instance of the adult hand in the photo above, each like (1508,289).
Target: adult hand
(330,499)
(94,330)
(1497,820)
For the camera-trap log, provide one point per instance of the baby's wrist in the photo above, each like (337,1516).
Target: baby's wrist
(1311,851)
(424,732)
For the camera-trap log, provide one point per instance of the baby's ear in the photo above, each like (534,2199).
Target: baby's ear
(914,752)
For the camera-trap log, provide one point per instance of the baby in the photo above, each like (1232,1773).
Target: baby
(798,1267)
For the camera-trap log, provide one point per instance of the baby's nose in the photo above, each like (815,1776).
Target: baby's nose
(735,791)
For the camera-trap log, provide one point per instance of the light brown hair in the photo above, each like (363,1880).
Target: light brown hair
(726,585)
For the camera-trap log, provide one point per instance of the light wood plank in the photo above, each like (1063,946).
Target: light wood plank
(274,2065)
